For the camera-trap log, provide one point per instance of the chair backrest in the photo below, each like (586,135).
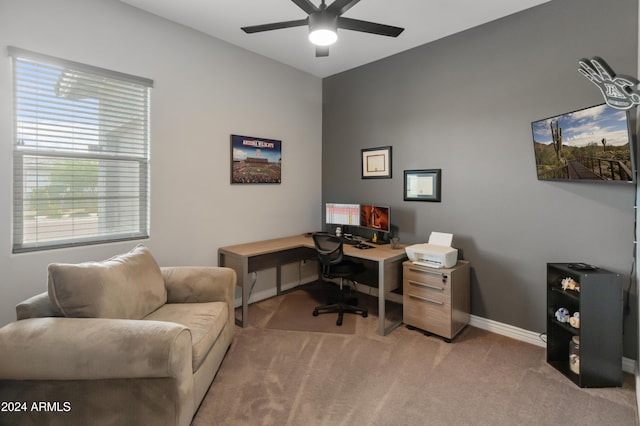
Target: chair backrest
(329,248)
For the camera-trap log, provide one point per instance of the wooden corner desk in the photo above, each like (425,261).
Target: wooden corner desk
(383,268)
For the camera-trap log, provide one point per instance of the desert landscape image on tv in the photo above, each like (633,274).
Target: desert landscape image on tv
(589,144)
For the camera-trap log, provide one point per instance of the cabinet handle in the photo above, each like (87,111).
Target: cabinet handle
(437,274)
(435,302)
(435,287)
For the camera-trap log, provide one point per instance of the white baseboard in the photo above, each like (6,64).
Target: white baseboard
(628,365)
(507,330)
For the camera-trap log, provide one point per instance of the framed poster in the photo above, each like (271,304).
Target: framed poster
(422,185)
(255,160)
(376,163)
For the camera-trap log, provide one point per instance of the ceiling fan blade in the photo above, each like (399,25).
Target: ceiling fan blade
(341,6)
(306,5)
(322,51)
(368,27)
(274,26)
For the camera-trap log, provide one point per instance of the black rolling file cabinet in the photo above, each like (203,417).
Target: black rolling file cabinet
(599,302)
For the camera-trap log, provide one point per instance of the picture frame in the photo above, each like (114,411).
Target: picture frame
(376,163)
(422,185)
(255,160)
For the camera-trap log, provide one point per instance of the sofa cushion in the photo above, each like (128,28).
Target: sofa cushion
(205,320)
(127,286)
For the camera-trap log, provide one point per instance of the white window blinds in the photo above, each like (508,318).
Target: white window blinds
(81,154)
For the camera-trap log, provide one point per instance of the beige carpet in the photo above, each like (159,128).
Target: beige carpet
(281,377)
(295,309)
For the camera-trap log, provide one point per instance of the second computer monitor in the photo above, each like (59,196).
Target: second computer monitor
(375,217)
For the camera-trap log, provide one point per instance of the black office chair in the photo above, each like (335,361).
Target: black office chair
(333,265)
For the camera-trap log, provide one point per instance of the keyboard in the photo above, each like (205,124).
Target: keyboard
(363,246)
(349,241)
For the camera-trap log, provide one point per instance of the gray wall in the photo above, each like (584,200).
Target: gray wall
(464,104)
(205,90)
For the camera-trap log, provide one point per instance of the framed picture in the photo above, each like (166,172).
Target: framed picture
(255,160)
(376,163)
(422,185)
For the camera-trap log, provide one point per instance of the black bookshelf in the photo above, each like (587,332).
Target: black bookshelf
(599,302)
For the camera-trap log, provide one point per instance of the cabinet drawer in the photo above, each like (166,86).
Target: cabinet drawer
(429,291)
(430,315)
(427,284)
(430,277)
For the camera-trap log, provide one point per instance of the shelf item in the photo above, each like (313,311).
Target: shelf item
(588,351)
(574,354)
(436,300)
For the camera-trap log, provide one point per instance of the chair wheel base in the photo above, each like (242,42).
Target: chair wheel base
(315,312)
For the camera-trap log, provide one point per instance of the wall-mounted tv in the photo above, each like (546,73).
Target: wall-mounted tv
(590,144)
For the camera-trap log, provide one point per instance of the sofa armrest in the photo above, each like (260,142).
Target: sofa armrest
(198,284)
(37,306)
(94,348)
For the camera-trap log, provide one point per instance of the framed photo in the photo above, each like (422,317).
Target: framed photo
(255,160)
(422,185)
(376,163)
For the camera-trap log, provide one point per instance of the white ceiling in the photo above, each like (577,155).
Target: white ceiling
(423,20)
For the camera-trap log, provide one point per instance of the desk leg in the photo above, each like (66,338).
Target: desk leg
(382,300)
(240,265)
(245,289)
(278,279)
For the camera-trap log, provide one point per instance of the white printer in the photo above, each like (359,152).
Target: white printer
(436,253)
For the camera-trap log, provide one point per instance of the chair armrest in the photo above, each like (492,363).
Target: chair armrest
(198,284)
(94,348)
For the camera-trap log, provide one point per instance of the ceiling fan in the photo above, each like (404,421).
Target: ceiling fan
(324,21)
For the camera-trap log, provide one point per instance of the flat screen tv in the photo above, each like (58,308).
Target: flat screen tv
(590,144)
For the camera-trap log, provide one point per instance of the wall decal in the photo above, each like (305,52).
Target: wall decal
(618,90)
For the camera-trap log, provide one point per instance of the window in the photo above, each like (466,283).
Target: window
(81,154)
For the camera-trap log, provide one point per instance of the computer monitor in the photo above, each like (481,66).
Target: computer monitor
(342,214)
(375,217)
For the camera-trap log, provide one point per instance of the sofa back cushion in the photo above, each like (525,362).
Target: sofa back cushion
(128,286)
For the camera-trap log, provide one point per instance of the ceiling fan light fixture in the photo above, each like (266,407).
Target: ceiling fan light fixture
(323,37)
(323,28)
